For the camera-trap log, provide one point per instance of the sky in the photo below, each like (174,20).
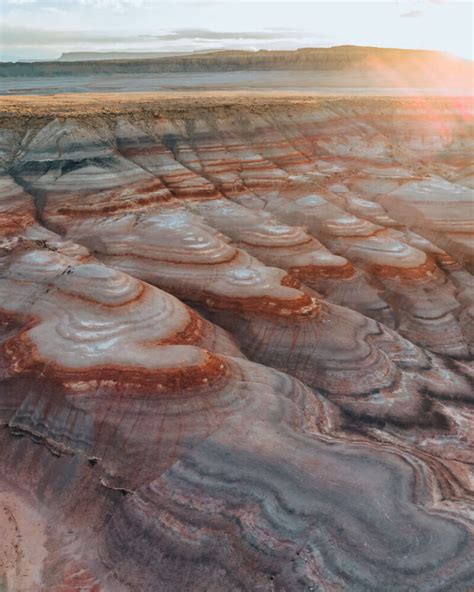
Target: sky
(43,29)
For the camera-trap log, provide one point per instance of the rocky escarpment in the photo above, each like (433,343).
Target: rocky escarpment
(417,67)
(242,336)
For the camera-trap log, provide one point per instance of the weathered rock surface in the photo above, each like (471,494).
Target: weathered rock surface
(144,255)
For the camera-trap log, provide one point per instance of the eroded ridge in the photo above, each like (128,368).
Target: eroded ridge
(125,386)
(146,450)
(329,169)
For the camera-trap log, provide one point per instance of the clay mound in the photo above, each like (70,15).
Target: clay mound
(230,359)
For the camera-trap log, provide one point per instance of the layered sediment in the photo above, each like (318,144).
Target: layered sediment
(241,333)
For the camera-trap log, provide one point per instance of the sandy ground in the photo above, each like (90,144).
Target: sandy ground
(327,83)
(22,545)
(86,104)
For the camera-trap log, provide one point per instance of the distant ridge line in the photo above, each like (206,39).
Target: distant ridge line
(344,57)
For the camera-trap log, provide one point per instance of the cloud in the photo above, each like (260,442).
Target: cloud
(20,1)
(24,36)
(112,4)
(208,34)
(412,14)
(27,43)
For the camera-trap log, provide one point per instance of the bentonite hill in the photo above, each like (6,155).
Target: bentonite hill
(236,338)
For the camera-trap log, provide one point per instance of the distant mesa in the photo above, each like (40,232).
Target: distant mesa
(88,56)
(415,64)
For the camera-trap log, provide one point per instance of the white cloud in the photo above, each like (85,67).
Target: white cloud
(21,1)
(117,4)
(412,14)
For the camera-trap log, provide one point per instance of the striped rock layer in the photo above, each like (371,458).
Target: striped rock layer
(236,348)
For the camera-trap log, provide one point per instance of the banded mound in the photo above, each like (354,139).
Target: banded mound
(242,336)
